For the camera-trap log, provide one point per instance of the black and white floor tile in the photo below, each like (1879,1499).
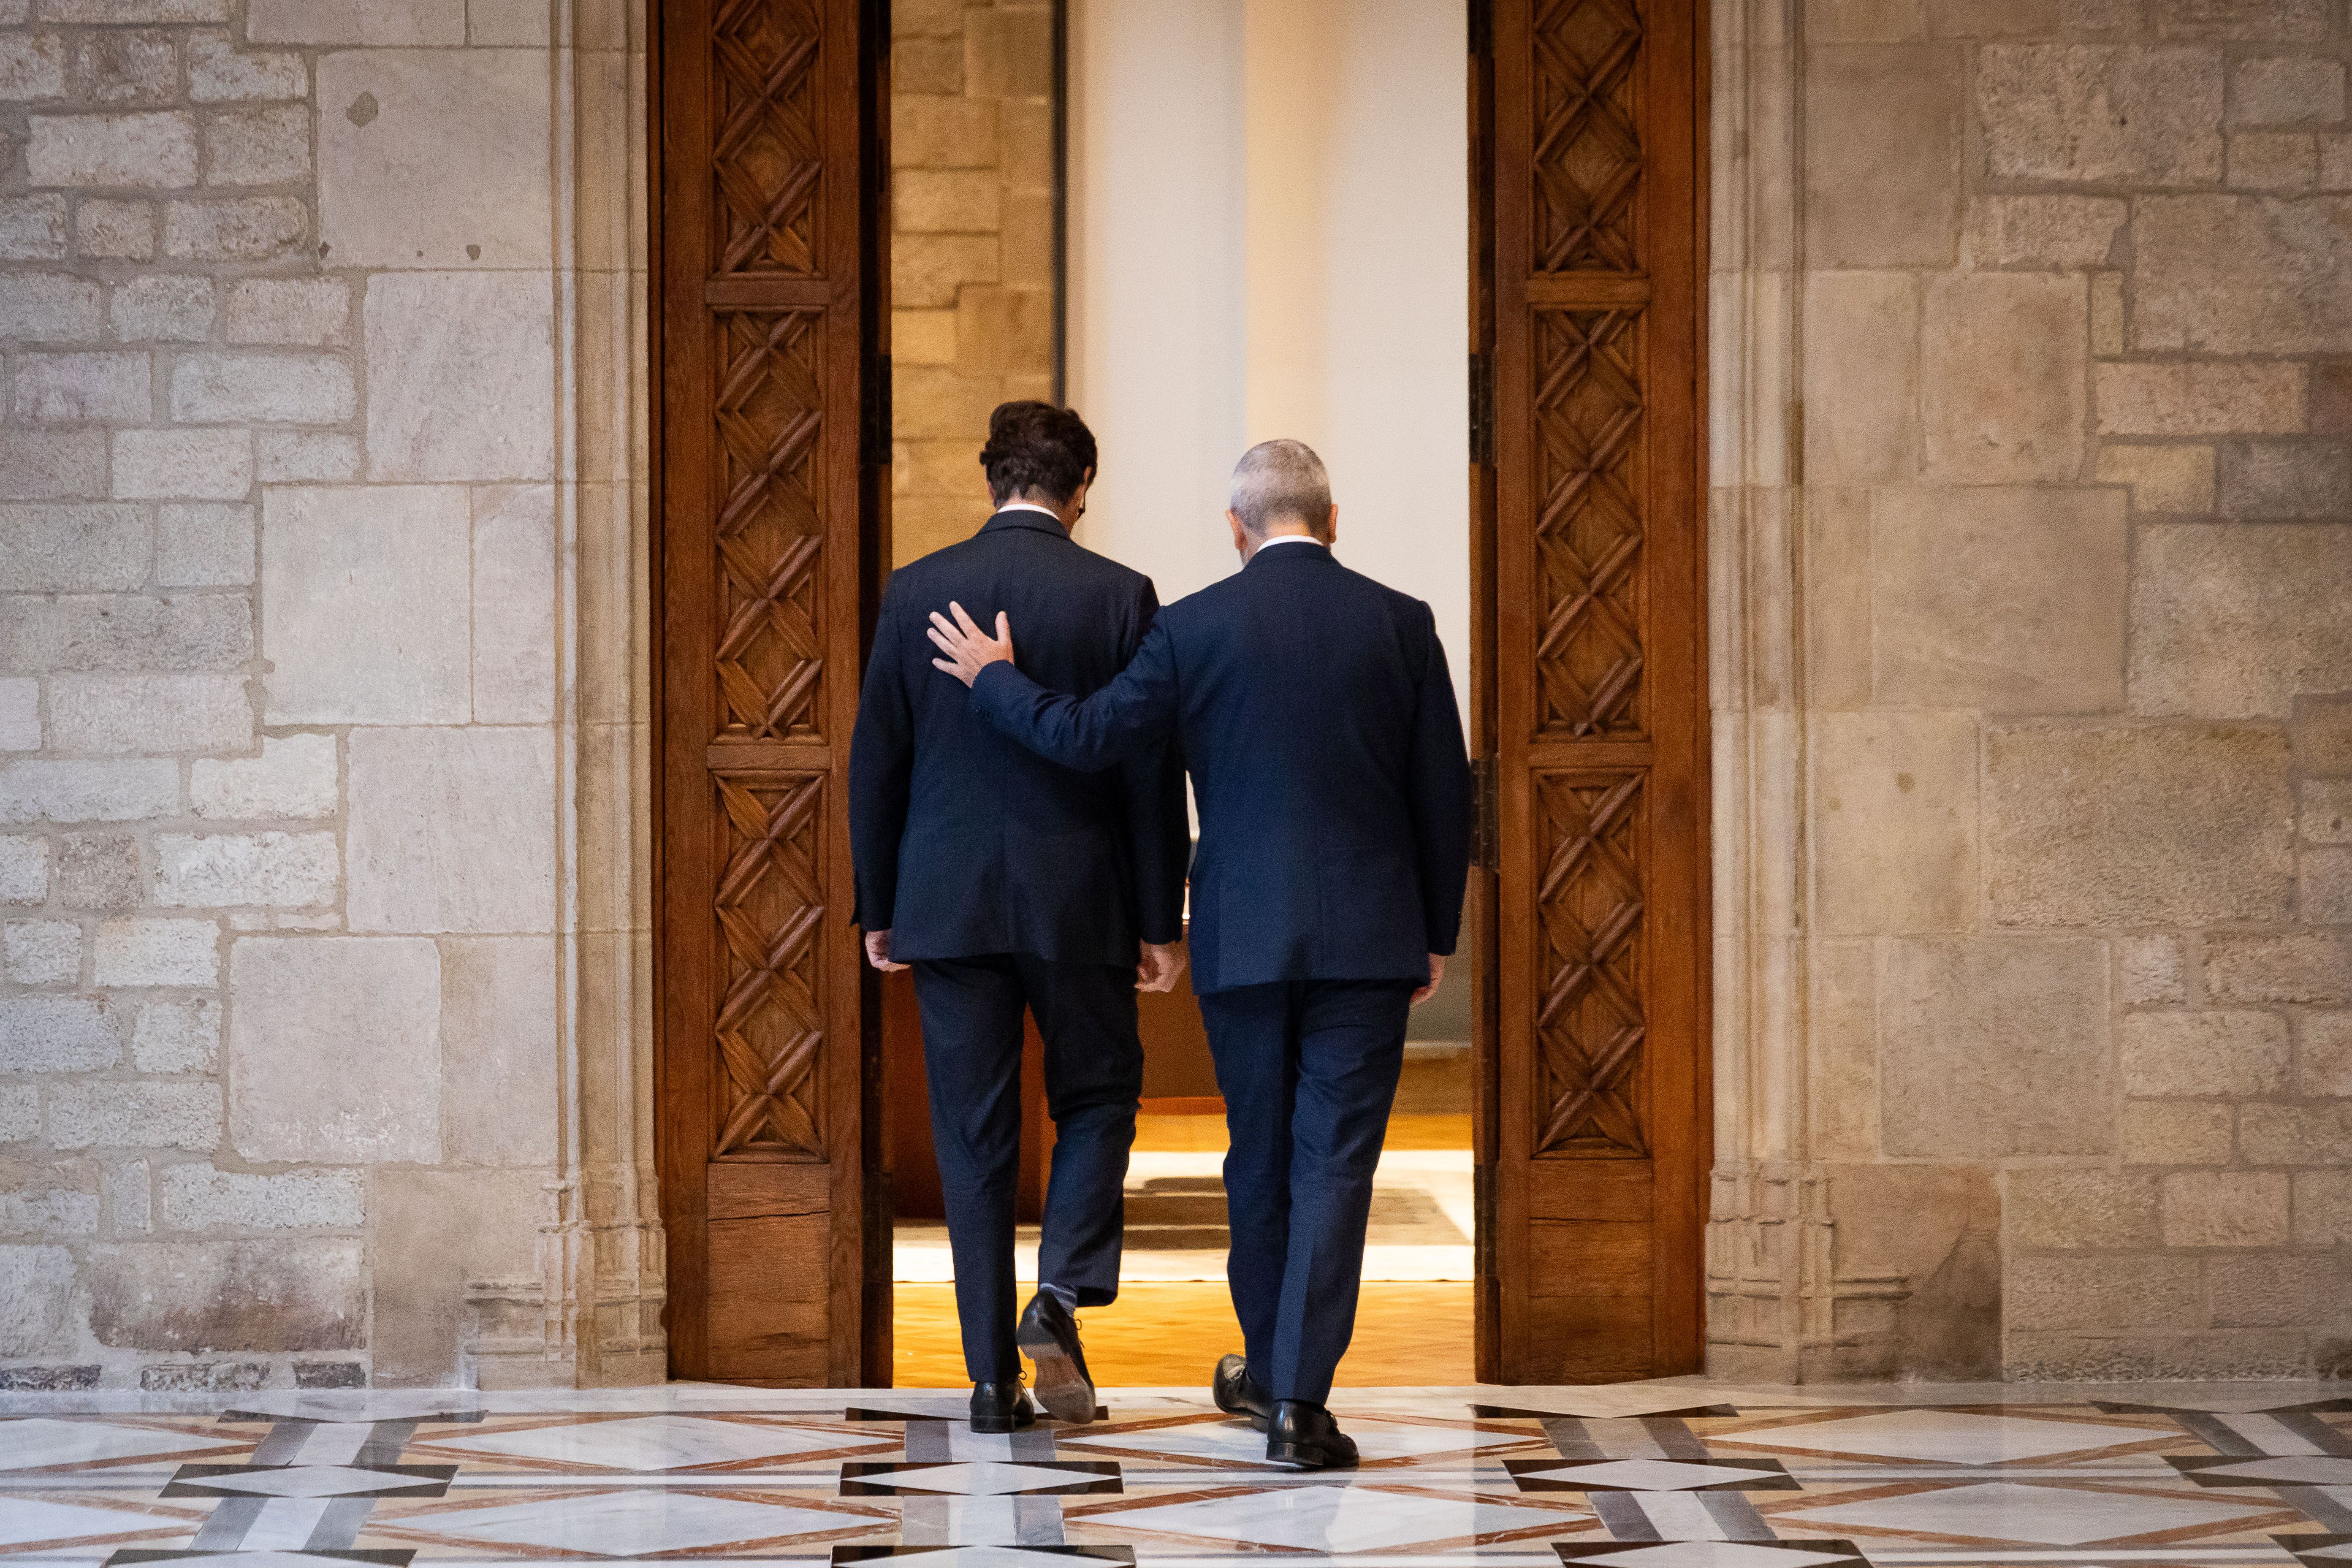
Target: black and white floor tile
(1680,1474)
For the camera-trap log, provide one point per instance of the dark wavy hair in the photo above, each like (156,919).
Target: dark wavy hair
(1037,448)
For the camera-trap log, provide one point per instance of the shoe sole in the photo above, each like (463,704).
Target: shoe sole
(1306,1457)
(998,1428)
(1061,1388)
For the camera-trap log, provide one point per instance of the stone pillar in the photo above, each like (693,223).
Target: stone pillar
(591,1314)
(1768,1243)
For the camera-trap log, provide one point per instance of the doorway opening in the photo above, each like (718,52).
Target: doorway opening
(1174,1316)
(1265,235)
(1231,181)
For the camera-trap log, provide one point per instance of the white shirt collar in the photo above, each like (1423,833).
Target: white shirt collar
(1028,506)
(1292,539)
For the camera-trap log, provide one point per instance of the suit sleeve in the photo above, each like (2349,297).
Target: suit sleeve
(1132,716)
(1439,779)
(1158,831)
(881,771)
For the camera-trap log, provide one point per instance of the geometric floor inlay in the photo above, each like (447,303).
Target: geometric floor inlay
(2287,1469)
(658,1443)
(979,1478)
(632,1523)
(309,1480)
(1334,1518)
(2026,1514)
(41,1442)
(25,1520)
(1679,1474)
(1651,1476)
(1235,1440)
(136,1557)
(1714,1554)
(1944,1436)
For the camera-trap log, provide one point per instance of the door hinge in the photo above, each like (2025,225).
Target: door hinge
(1487,825)
(874,440)
(1482,28)
(1482,411)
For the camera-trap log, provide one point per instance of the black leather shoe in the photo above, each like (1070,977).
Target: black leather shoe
(1303,1437)
(1237,1393)
(1048,1335)
(1001,1407)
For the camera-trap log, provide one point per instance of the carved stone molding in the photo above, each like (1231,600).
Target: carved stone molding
(1772,1245)
(1785,1303)
(591,1316)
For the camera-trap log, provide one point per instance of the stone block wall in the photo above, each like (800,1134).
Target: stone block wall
(323,702)
(972,248)
(316,457)
(2067,487)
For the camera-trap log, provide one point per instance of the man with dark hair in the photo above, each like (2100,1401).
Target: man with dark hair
(1314,709)
(1007,882)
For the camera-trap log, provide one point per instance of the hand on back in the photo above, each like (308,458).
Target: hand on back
(968,648)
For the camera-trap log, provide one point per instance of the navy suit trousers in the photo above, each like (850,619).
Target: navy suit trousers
(1093,1074)
(1309,1069)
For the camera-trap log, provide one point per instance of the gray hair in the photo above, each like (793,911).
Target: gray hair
(1278,480)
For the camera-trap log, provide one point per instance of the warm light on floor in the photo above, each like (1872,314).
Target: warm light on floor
(1160,1336)
(1407,1334)
(1407,1129)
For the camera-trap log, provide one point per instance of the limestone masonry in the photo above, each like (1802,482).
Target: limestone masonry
(324,994)
(2033,629)
(318,683)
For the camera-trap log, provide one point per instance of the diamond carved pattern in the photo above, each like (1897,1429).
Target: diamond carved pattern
(770,1024)
(1590,1021)
(770,523)
(1588,521)
(1588,144)
(765,154)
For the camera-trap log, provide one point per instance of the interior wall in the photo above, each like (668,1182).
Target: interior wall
(1156,281)
(2032,537)
(971,249)
(1269,236)
(322,742)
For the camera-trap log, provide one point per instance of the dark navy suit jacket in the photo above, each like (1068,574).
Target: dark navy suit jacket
(1314,709)
(966,844)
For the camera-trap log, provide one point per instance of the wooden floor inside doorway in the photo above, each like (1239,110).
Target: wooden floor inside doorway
(1170,1335)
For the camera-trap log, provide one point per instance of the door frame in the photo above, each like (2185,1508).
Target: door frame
(866,1190)
(873,1357)
(1510,814)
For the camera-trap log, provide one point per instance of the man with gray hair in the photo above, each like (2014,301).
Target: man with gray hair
(1315,712)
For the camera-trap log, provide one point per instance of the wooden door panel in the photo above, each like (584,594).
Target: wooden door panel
(769,518)
(1601,1137)
(1592,1257)
(1598,1339)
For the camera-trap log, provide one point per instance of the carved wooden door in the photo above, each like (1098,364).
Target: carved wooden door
(1599,1136)
(769,516)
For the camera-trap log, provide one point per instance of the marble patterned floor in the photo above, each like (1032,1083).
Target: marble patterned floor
(1675,1474)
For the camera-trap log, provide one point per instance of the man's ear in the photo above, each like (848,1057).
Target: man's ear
(1241,536)
(1331,525)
